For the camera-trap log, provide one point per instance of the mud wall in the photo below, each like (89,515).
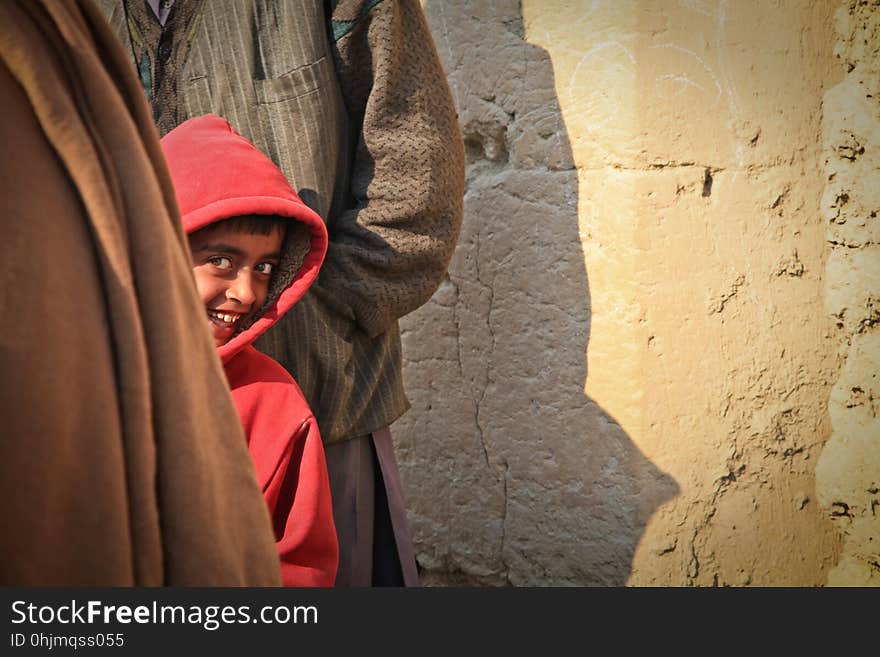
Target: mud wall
(848,474)
(652,361)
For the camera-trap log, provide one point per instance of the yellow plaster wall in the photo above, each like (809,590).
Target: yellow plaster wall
(694,130)
(626,377)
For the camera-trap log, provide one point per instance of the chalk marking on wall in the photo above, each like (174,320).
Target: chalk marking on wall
(695,56)
(729,88)
(587,56)
(682,87)
(697,6)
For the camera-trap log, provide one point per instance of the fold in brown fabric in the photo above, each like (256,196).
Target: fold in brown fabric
(122,458)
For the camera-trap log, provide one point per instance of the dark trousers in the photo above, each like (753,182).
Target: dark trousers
(375,544)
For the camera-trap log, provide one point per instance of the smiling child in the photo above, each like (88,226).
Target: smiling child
(256,248)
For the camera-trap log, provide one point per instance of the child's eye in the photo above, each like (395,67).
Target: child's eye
(265,268)
(221,262)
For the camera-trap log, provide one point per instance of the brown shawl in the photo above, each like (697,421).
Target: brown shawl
(122,458)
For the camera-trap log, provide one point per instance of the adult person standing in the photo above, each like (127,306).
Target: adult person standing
(122,459)
(350,100)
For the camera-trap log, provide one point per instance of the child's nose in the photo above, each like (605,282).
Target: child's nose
(242,289)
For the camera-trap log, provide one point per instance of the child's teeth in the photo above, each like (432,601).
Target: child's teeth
(229,318)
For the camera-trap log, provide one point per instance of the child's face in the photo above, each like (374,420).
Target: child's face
(232,271)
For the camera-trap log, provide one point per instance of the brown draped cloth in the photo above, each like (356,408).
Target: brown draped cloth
(122,458)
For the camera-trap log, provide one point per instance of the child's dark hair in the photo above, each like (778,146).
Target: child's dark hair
(252,224)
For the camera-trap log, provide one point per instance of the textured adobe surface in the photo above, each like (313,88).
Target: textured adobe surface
(666,270)
(848,474)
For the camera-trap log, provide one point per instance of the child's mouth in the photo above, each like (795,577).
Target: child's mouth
(224,319)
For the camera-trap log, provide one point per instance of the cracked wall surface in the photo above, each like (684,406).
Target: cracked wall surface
(625,377)
(848,474)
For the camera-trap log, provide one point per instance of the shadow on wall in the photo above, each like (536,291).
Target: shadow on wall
(513,475)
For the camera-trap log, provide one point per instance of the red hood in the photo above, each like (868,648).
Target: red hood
(219,174)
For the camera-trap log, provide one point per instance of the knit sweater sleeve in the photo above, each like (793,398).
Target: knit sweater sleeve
(389,251)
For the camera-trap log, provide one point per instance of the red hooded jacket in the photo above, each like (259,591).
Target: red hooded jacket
(219,174)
